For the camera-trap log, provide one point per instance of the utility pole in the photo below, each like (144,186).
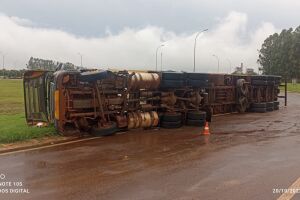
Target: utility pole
(80,59)
(229,65)
(160,46)
(218,61)
(3,63)
(195,47)
(161,54)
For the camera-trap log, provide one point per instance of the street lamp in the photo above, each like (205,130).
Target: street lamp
(195,47)
(3,62)
(160,46)
(80,58)
(161,59)
(218,61)
(229,65)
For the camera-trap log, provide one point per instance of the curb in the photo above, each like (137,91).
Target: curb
(39,145)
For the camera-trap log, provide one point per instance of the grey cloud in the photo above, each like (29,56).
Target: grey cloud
(93,17)
(135,47)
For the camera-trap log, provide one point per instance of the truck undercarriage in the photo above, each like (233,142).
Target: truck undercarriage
(103,102)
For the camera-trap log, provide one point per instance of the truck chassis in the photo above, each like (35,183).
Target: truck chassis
(104,102)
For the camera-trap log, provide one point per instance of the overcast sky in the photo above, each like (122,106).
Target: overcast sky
(125,34)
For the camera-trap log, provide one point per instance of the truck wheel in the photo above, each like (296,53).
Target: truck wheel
(172,83)
(197,76)
(270,104)
(192,122)
(276,103)
(259,105)
(171,125)
(106,130)
(173,76)
(197,83)
(259,77)
(259,82)
(259,110)
(196,115)
(171,117)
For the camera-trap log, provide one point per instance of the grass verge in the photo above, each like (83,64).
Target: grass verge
(13,125)
(292,87)
(14,128)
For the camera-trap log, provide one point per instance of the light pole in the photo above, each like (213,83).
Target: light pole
(3,62)
(195,47)
(160,46)
(80,58)
(161,60)
(218,61)
(229,65)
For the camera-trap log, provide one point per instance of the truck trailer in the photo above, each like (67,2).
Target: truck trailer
(102,102)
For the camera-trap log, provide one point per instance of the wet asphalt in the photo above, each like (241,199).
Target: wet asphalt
(245,157)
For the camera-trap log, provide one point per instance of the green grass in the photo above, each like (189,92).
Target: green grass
(13,125)
(13,128)
(11,96)
(292,87)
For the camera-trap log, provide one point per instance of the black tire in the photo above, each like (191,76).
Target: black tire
(259,82)
(262,78)
(259,105)
(171,117)
(170,125)
(105,131)
(196,115)
(270,109)
(276,103)
(197,76)
(277,80)
(277,83)
(259,110)
(198,123)
(172,83)
(198,83)
(270,104)
(270,78)
(276,107)
(173,76)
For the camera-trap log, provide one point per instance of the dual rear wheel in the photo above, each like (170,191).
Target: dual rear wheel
(174,119)
(196,118)
(265,107)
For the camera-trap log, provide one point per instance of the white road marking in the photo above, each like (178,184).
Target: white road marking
(290,195)
(48,146)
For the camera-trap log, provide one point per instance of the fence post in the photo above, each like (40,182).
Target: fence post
(285,93)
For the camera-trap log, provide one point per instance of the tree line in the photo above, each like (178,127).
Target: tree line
(15,74)
(50,65)
(37,64)
(280,54)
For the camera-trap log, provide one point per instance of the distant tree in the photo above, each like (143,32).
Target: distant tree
(50,65)
(279,54)
(12,74)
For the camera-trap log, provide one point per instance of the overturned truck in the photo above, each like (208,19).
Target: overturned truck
(104,102)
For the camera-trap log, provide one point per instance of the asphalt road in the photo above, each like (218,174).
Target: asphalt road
(247,156)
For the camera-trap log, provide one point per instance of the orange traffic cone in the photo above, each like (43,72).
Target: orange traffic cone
(206,129)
